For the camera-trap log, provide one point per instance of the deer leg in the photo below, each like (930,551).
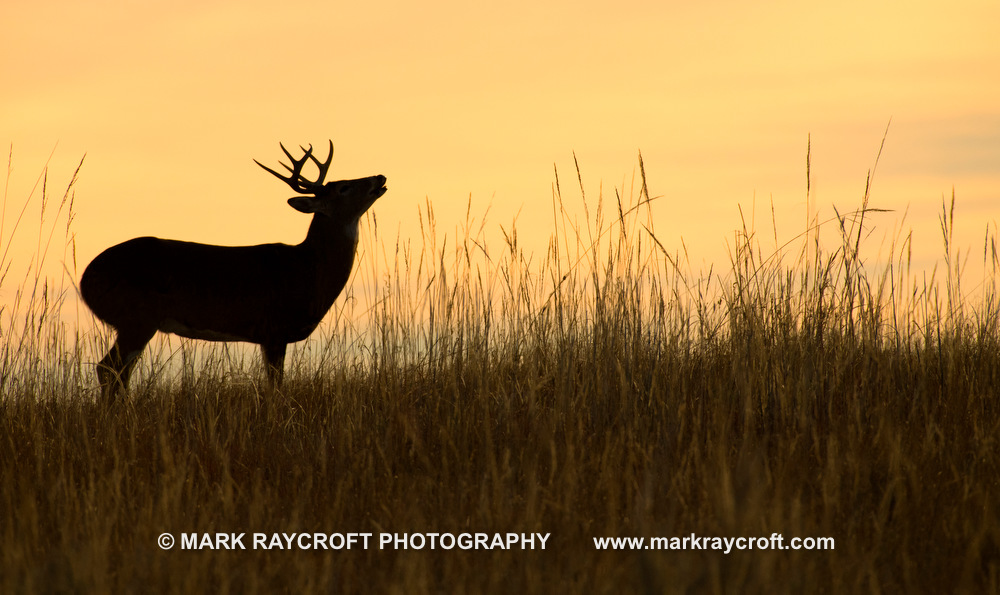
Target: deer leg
(274,362)
(114,370)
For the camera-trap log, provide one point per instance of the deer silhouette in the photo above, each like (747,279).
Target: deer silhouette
(268,294)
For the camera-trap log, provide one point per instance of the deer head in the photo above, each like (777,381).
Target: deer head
(344,200)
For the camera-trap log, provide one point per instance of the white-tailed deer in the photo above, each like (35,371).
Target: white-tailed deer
(270,294)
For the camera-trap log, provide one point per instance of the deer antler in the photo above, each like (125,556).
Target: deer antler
(297,182)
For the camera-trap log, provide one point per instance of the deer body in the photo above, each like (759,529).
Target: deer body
(269,294)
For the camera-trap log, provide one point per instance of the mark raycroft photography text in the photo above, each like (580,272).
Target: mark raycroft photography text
(342,541)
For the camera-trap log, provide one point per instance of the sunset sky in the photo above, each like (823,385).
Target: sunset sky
(171,101)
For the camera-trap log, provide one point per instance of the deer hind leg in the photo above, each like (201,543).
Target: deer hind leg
(114,370)
(274,362)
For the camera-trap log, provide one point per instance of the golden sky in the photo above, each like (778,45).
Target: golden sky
(171,101)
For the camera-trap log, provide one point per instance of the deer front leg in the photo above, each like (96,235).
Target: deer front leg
(114,371)
(274,362)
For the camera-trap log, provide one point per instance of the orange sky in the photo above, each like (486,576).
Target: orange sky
(171,101)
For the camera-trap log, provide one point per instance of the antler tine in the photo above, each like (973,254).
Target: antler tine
(287,180)
(289,155)
(323,167)
(326,165)
(295,180)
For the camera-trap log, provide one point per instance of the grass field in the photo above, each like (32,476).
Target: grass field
(600,389)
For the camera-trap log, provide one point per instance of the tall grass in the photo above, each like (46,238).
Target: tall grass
(599,389)
(33,324)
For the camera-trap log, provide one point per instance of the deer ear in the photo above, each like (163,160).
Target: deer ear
(303,204)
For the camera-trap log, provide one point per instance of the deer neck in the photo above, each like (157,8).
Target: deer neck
(334,245)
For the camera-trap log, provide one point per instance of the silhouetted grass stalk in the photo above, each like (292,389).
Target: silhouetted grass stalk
(41,354)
